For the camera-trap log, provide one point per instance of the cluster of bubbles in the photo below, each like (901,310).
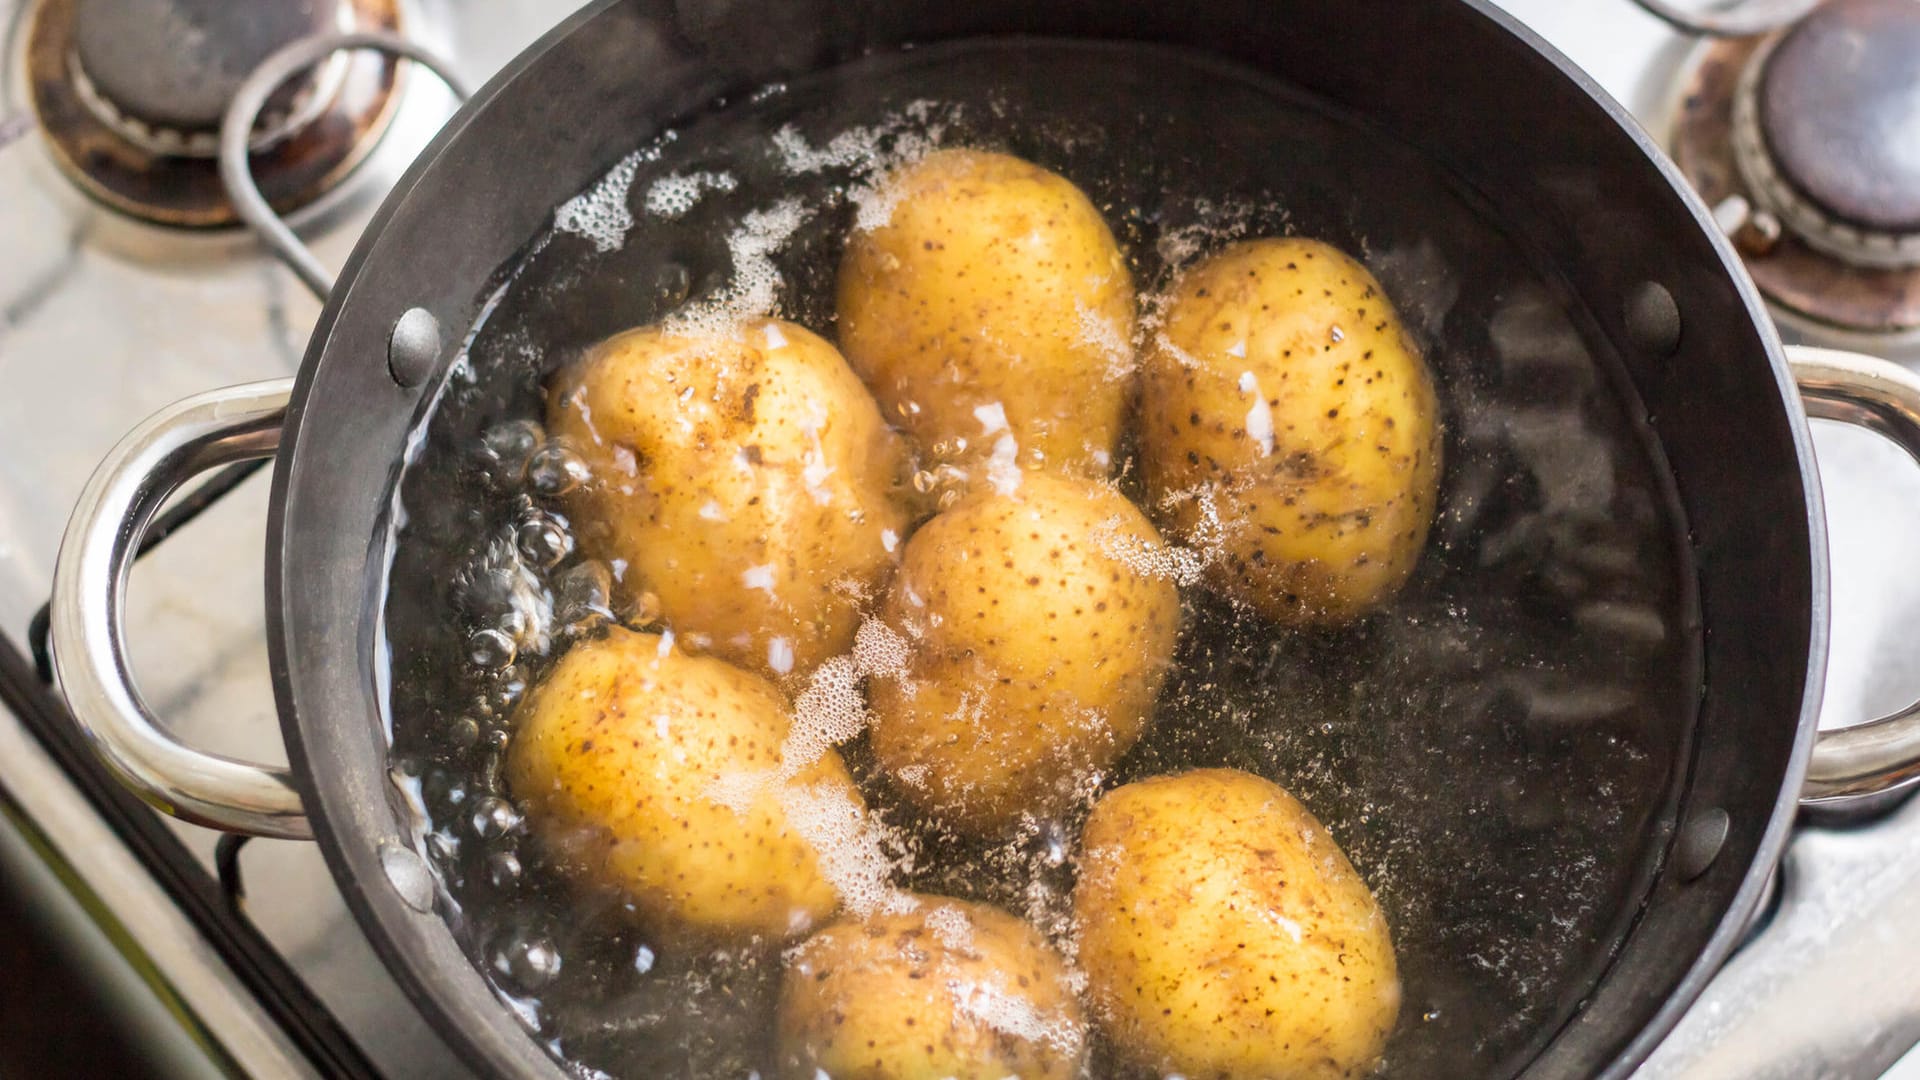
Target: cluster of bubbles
(521,597)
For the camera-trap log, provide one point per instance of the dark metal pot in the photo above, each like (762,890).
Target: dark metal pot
(1554,158)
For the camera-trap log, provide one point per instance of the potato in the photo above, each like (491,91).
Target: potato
(1288,425)
(1225,935)
(1039,633)
(992,307)
(747,480)
(621,756)
(947,990)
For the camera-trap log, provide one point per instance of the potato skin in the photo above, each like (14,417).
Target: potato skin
(615,756)
(1037,646)
(1225,935)
(900,997)
(993,281)
(1328,521)
(748,481)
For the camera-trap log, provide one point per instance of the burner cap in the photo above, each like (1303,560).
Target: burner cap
(1827,130)
(1840,109)
(176,63)
(1807,144)
(130,95)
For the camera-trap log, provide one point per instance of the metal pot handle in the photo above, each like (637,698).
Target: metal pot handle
(1878,756)
(189,437)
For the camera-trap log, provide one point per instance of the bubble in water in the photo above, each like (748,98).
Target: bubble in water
(1054,845)
(494,817)
(672,284)
(600,213)
(490,649)
(506,691)
(444,847)
(442,791)
(555,470)
(646,608)
(506,448)
(463,733)
(525,961)
(543,541)
(582,596)
(503,868)
(673,195)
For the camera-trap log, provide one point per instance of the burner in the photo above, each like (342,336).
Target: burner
(1807,143)
(130,94)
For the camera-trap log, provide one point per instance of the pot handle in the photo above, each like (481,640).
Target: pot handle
(179,442)
(1880,755)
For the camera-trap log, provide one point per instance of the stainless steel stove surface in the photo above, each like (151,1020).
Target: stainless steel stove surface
(102,321)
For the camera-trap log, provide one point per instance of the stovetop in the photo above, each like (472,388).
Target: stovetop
(101,322)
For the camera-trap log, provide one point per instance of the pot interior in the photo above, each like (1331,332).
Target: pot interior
(1503,751)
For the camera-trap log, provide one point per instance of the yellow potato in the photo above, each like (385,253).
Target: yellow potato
(1225,935)
(1039,631)
(947,991)
(1288,426)
(746,480)
(993,304)
(622,757)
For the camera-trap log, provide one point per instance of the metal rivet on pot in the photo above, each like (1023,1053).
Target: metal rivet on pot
(408,874)
(414,346)
(1701,839)
(1653,319)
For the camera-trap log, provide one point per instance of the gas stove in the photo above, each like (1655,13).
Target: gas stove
(120,293)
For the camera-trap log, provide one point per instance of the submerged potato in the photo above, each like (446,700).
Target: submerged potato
(1038,634)
(1289,426)
(994,307)
(947,990)
(619,756)
(747,481)
(1224,934)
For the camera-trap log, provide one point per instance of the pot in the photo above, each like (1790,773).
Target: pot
(1558,162)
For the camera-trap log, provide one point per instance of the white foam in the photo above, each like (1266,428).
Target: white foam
(673,195)
(1259,416)
(993,418)
(754,291)
(1003,466)
(830,711)
(1102,334)
(1010,1013)
(780,655)
(879,651)
(600,213)
(815,470)
(758,577)
(951,928)
(873,155)
(1166,345)
(1219,223)
(1181,565)
(848,846)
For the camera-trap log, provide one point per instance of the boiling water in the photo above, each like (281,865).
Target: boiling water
(1497,750)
